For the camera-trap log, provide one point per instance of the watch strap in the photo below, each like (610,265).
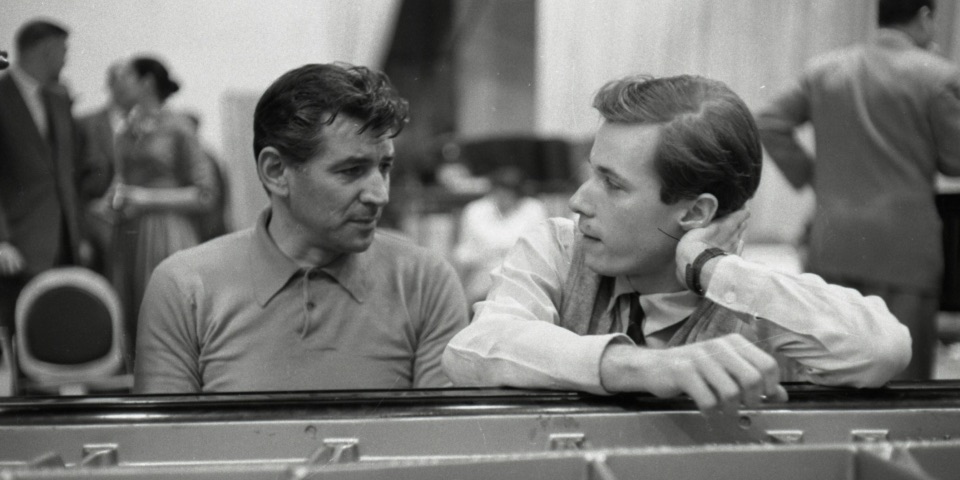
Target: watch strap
(693,269)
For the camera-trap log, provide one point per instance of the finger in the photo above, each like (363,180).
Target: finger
(725,388)
(748,380)
(780,395)
(762,362)
(698,390)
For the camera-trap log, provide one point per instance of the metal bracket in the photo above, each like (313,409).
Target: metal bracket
(568,441)
(870,436)
(336,450)
(784,437)
(100,455)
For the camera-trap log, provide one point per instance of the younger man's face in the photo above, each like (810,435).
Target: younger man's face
(620,209)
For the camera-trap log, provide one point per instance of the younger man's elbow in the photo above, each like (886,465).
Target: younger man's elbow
(456,367)
(888,356)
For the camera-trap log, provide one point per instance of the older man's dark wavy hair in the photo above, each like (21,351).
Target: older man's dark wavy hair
(291,113)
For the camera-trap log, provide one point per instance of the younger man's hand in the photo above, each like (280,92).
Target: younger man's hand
(719,374)
(725,234)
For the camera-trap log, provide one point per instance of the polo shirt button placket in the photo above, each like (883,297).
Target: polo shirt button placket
(309,305)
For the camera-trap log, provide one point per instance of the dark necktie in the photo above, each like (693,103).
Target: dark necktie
(635,327)
(46,98)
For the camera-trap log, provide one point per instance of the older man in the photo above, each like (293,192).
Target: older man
(314,296)
(646,293)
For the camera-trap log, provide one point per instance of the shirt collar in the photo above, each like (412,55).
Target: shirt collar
(894,38)
(271,269)
(350,272)
(661,310)
(27,84)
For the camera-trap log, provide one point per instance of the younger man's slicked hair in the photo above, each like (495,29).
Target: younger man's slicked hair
(709,142)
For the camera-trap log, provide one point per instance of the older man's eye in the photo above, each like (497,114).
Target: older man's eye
(353,171)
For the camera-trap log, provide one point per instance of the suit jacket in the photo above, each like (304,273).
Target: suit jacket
(886,117)
(38,196)
(97,156)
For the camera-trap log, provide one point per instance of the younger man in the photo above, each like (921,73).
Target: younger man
(644,293)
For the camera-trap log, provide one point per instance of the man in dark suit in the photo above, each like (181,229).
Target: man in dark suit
(39,226)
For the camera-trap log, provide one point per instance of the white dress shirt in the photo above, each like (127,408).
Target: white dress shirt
(839,336)
(30,90)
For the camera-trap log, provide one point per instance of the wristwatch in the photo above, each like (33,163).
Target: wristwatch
(693,269)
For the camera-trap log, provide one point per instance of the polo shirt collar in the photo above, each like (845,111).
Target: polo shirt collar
(271,269)
(350,271)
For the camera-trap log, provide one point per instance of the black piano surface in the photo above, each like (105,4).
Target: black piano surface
(905,430)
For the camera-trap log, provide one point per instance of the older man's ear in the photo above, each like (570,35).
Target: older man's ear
(272,171)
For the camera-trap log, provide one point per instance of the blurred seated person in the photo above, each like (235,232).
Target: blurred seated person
(213,223)
(491,225)
(313,296)
(646,292)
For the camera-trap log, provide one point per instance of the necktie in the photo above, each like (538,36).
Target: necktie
(45,97)
(634,328)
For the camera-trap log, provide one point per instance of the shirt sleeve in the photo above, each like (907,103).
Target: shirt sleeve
(838,336)
(444,314)
(514,339)
(167,358)
(777,123)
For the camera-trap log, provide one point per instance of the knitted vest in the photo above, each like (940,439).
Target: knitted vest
(587,294)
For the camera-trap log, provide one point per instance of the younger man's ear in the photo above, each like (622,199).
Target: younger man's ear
(700,212)
(272,171)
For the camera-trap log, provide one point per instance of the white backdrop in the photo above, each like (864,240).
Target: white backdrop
(210,46)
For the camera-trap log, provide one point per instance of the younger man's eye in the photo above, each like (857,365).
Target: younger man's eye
(609,184)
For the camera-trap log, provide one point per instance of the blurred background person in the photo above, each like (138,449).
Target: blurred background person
(490,225)
(886,117)
(98,131)
(162,181)
(39,219)
(213,223)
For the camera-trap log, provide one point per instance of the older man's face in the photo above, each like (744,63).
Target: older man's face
(55,52)
(337,196)
(619,207)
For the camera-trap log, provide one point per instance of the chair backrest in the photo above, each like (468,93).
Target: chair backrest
(69,327)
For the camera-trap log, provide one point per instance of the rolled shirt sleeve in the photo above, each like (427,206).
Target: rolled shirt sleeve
(838,336)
